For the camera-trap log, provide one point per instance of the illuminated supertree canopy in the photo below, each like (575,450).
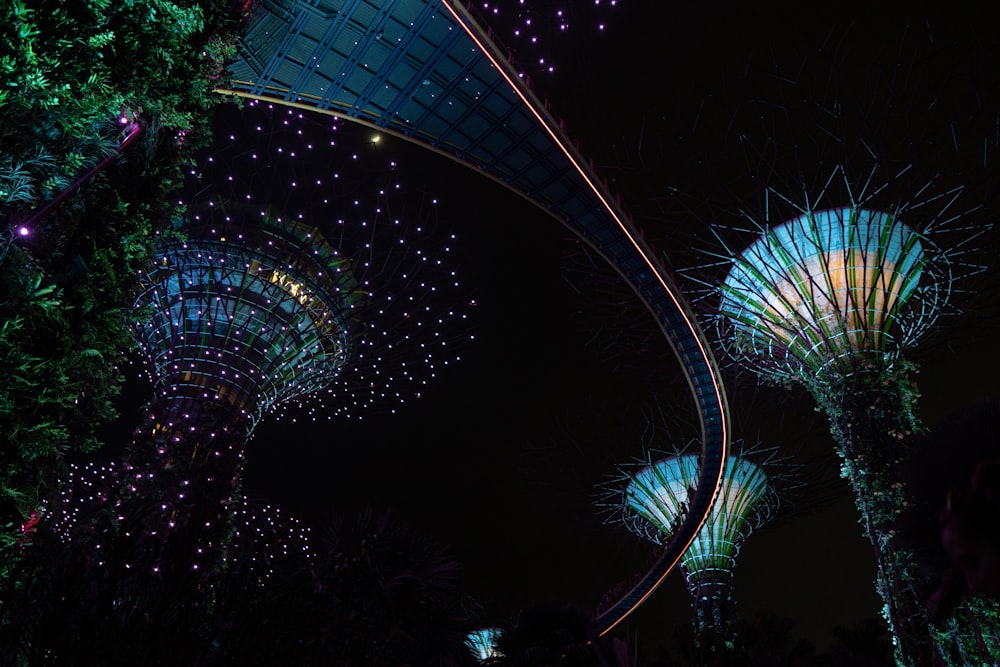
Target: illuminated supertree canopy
(256,314)
(483,644)
(655,499)
(814,294)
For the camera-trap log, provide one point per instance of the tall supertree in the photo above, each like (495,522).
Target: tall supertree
(830,299)
(238,320)
(306,280)
(303,278)
(654,499)
(852,227)
(283,285)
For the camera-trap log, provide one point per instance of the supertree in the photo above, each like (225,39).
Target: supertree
(829,299)
(245,311)
(305,279)
(864,229)
(482,643)
(252,309)
(652,497)
(237,321)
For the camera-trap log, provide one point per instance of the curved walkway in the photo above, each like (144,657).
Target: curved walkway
(426,71)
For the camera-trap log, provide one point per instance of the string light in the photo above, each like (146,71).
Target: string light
(536,31)
(278,299)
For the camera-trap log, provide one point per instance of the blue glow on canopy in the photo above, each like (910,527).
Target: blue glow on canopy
(660,494)
(868,233)
(483,643)
(823,285)
(252,317)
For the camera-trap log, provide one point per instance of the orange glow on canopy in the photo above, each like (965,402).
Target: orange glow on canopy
(813,290)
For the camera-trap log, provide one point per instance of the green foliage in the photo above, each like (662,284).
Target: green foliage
(872,413)
(70,70)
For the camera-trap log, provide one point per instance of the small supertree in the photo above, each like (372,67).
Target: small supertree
(482,643)
(654,500)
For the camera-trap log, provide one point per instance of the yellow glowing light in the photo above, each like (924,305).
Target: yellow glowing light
(845,292)
(295,289)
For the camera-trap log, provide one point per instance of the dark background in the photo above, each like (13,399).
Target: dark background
(502,459)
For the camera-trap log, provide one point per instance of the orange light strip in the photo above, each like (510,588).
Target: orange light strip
(513,82)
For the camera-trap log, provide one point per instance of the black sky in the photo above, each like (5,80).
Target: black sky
(499,460)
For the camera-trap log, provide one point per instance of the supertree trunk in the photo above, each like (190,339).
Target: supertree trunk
(714,607)
(872,412)
(181,480)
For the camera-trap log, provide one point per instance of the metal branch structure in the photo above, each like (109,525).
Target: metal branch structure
(656,498)
(246,318)
(817,293)
(482,643)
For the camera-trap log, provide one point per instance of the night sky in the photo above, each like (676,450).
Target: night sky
(501,458)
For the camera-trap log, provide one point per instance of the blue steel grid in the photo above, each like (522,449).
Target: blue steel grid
(411,68)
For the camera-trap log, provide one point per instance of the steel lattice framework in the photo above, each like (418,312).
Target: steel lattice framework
(654,501)
(811,295)
(427,71)
(482,643)
(250,321)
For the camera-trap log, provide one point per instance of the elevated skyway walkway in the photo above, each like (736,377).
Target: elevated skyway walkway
(427,71)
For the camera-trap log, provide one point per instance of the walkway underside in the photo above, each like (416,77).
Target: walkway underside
(426,71)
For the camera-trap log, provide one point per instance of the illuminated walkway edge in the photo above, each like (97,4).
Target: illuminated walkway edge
(426,71)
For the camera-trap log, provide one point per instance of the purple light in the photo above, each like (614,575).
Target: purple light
(23,231)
